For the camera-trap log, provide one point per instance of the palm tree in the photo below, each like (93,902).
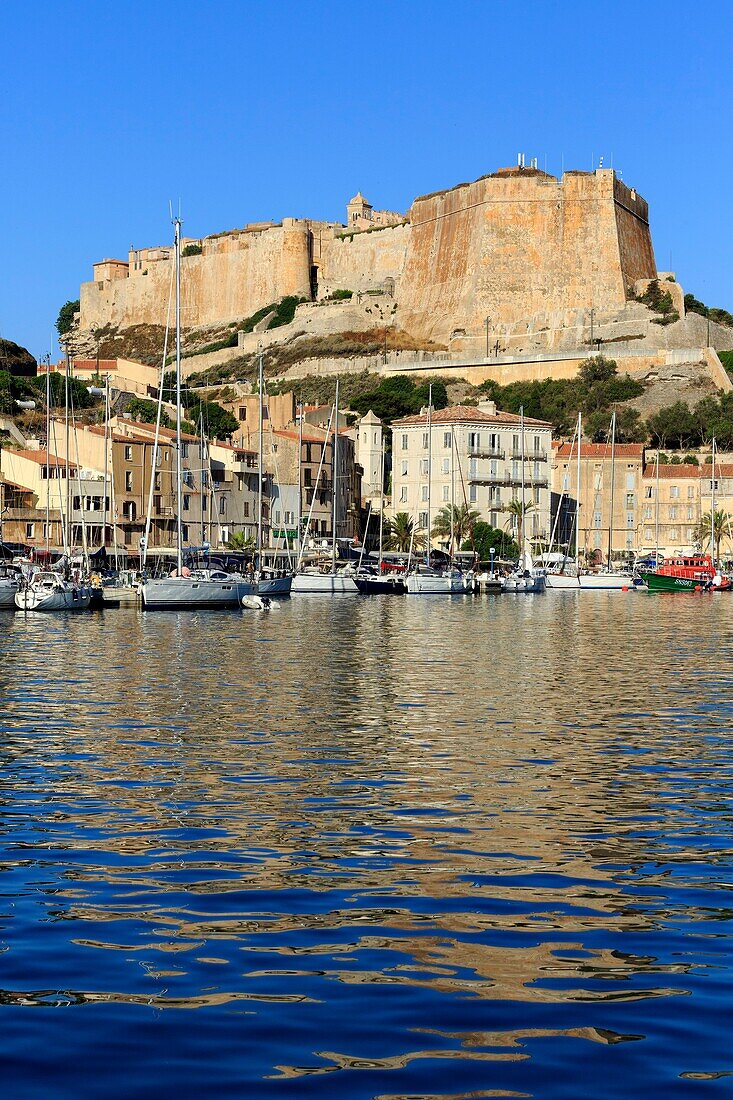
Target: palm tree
(456,520)
(403,532)
(239,541)
(713,528)
(517,511)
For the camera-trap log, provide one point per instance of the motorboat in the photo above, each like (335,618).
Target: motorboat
(47,591)
(371,581)
(686,573)
(258,603)
(333,583)
(571,581)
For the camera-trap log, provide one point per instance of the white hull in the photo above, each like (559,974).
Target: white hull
(523,584)
(591,581)
(56,599)
(174,593)
(7,593)
(274,586)
(324,584)
(438,584)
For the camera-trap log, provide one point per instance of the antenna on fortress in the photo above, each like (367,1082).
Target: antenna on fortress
(533,162)
(600,163)
(520,160)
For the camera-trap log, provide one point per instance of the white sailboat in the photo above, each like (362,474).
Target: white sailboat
(526,578)
(570,577)
(336,582)
(186,588)
(425,580)
(9,583)
(48,591)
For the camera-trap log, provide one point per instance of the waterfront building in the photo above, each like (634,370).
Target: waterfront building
(477,460)
(680,496)
(598,514)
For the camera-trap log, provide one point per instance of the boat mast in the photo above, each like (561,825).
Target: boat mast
(179,471)
(69,528)
(300,481)
(712,507)
(106,460)
(521,459)
(577,502)
(258,553)
(613,470)
(334,456)
(452,493)
(656,515)
(381,503)
(430,468)
(48,469)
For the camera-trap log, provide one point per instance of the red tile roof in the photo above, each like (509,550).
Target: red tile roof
(467,414)
(294,435)
(41,457)
(670,472)
(598,450)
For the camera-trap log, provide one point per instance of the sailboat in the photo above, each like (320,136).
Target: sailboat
(48,591)
(267,584)
(373,581)
(525,578)
(570,576)
(312,581)
(184,588)
(425,580)
(9,582)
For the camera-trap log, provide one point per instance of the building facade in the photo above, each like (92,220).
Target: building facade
(475,456)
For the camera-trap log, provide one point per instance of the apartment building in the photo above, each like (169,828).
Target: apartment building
(674,501)
(474,455)
(610,495)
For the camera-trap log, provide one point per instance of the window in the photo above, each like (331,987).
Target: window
(446,492)
(690,512)
(76,503)
(129,509)
(203,504)
(128,481)
(405,441)
(690,492)
(425,440)
(242,413)
(222,506)
(673,534)
(403,494)
(536,495)
(446,466)
(278,520)
(184,532)
(472,493)
(629,500)
(674,492)
(424,466)
(597,482)
(536,471)
(630,519)
(596,519)
(473,467)
(648,534)
(245,509)
(494,468)
(493,519)
(184,450)
(629,482)
(404,469)
(447,440)
(673,512)
(186,502)
(424,492)
(128,454)
(537,446)
(422,520)
(474,441)
(649,492)
(30,530)
(289,518)
(647,513)
(157,482)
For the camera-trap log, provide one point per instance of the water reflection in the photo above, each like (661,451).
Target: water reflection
(418,847)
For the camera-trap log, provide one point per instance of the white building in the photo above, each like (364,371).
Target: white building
(368,436)
(474,455)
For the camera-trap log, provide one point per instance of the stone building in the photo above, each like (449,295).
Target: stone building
(39,482)
(601,516)
(674,503)
(476,456)
(360,214)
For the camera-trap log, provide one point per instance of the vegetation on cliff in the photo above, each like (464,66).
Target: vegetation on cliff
(659,301)
(65,319)
(16,359)
(17,388)
(720,316)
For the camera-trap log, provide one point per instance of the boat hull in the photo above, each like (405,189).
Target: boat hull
(526,585)
(76,599)
(426,584)
(181,593)
(274,586)
(659,582)
(7,595)
(379,586)
(593,582)
(323,584)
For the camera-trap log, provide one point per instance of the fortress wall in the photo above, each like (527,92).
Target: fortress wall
(509,246)
(228,282)
(635,240)
(364,261)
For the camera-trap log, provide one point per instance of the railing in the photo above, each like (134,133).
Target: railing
(486,452)
(508,479)
(530,456)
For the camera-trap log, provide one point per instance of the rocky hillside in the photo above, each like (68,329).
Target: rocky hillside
(15,359)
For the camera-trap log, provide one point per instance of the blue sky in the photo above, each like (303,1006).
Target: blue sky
(247,111)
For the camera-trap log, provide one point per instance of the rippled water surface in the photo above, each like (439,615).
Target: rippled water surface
(369,848)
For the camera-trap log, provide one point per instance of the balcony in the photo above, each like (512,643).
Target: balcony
(486,452)
(508,479)
(529,456)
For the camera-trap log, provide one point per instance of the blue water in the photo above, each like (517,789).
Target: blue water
(369,848)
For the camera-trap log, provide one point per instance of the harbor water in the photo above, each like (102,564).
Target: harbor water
(369,848)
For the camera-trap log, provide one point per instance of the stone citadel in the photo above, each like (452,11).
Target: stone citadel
(518,251)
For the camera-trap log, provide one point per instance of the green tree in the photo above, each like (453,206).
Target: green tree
(673,425)
(240,541)
(65,319)
(486,537)
(455,519)
(517,512)
(403,530)
(713,528)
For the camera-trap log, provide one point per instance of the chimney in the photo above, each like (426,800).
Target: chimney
(488,407)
